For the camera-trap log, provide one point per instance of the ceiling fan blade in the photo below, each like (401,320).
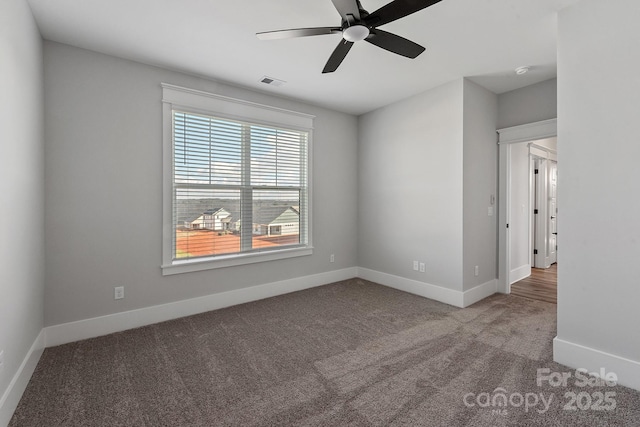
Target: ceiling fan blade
(348,9)
(394,43)
(397,9)
(297,32)
(337,56)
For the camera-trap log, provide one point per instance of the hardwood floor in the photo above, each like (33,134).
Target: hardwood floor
(541,285)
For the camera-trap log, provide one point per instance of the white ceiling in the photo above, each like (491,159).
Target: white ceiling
(484,40)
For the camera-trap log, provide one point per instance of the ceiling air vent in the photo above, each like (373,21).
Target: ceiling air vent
(271,81)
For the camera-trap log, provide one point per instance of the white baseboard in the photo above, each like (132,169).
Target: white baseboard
(438,293)
(479,292)
(427,290)
(519,273)
(578,356)
(10,399)
(104,325)
(117,322)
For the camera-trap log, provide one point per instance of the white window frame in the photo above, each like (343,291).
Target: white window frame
(180,98)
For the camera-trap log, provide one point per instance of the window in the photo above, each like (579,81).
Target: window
(236,183)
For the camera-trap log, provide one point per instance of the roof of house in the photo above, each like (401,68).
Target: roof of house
(268,214)
(214,211)
(188,210)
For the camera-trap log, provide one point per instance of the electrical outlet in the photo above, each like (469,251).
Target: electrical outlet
(332,258)
(476,270)
(415,265)
(118,292)
(423,267)
(1,361)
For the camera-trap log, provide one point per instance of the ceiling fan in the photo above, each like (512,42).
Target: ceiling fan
(358,24)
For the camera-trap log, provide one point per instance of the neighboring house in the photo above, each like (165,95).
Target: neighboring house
(277,221)
(217,219)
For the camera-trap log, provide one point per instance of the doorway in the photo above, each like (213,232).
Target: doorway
(520,148)
(542,282)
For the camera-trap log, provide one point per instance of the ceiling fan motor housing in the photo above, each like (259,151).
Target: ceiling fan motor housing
(355,33)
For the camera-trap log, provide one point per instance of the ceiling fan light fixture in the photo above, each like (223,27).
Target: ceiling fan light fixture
(355,33)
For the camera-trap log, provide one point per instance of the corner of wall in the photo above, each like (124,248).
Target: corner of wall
(480,186)
(22,188)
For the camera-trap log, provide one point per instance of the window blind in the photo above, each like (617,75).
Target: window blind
(238,187)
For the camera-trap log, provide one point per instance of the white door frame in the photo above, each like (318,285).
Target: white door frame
(506,137)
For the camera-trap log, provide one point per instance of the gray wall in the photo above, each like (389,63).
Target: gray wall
(480,168)
(410,187)
(21,186)
(427,168)
(104,187)
(530,104)
(598,150)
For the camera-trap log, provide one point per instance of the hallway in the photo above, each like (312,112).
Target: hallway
(542,285)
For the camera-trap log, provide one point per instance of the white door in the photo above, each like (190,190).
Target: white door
(552,213)
(540,223)
(545,248)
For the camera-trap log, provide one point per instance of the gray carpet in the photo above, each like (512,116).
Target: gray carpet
(351,353)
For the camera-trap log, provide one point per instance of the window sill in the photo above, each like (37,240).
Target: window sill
(200,264)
